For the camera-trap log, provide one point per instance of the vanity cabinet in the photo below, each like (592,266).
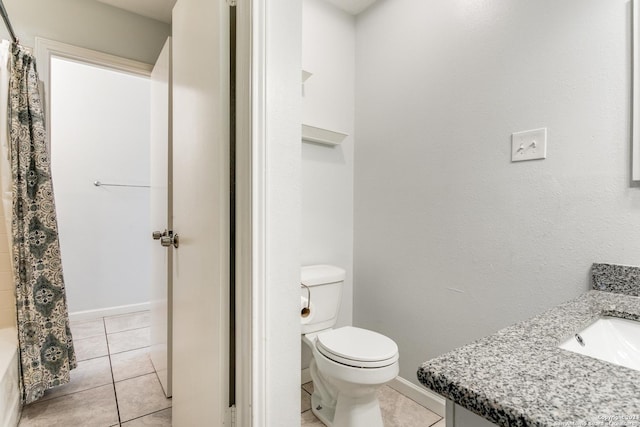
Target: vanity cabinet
(458,416)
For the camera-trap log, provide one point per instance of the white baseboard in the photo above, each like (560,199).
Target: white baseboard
(79,316)
(430,400)
(423,397)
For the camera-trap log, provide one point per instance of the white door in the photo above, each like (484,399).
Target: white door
(201,212)
(161,218)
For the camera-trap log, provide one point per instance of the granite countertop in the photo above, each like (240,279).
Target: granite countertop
(519,377)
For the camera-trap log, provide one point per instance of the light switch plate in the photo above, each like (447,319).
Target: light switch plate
(529,145)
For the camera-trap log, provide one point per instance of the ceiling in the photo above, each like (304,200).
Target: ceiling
(354,7)
(161,9)
(155,9)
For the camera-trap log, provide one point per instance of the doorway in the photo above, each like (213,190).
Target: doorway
(115,382)
(99,121)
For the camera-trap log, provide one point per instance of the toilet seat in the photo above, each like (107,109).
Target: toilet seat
(357,347)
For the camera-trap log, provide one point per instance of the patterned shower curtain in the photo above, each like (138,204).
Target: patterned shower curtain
(46,348)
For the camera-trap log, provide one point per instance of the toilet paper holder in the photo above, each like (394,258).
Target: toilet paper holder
(306,311)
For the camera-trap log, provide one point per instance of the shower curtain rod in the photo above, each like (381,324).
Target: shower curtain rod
(7,23)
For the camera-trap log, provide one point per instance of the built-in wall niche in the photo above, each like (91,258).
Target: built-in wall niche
(319,135)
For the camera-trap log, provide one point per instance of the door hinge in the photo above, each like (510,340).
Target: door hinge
(232,3)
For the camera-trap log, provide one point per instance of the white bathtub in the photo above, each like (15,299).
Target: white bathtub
(9,391)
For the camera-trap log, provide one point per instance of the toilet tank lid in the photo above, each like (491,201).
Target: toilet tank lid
(313,275)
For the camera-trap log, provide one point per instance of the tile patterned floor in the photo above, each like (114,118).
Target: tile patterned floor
(397,410)
(115,383)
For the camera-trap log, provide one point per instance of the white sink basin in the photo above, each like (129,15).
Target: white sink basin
(610,339)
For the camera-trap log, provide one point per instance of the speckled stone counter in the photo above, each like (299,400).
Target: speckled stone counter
(519,377)
(619,279)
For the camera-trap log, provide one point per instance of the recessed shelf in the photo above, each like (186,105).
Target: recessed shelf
(322,136)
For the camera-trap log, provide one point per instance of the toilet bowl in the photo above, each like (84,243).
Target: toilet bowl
(349,364)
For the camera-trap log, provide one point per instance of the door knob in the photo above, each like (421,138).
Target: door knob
(170,240)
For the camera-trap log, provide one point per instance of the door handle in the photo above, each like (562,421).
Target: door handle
(167,238)
(170,239)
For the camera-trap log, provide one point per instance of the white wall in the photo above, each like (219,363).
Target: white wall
(89,24)
(441,85)
(100,131)
(328,51)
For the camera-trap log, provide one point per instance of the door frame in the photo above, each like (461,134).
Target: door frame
(250,372)
(268,135)
(258,220)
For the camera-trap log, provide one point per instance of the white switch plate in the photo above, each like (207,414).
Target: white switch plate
(529,145)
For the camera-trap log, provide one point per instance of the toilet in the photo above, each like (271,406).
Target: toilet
(349,364)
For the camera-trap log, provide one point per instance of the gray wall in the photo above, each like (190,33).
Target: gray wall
(88,24)
(452,240)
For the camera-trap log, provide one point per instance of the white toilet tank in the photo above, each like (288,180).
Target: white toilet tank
(325,288)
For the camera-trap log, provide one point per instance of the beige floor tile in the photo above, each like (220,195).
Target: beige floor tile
(89,348)
(305,400)
(140,396)
(129,340)
(97,405)
(127,322)
(397,410)
(87,329)
(400,411)
(89,374)
(131,364)
(308,387)
(157,419)
(310,420)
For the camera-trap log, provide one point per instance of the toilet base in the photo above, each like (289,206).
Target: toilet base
(323,413)
(350,411)
(346,396)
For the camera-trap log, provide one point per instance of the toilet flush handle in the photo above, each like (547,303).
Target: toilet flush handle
(306,311)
